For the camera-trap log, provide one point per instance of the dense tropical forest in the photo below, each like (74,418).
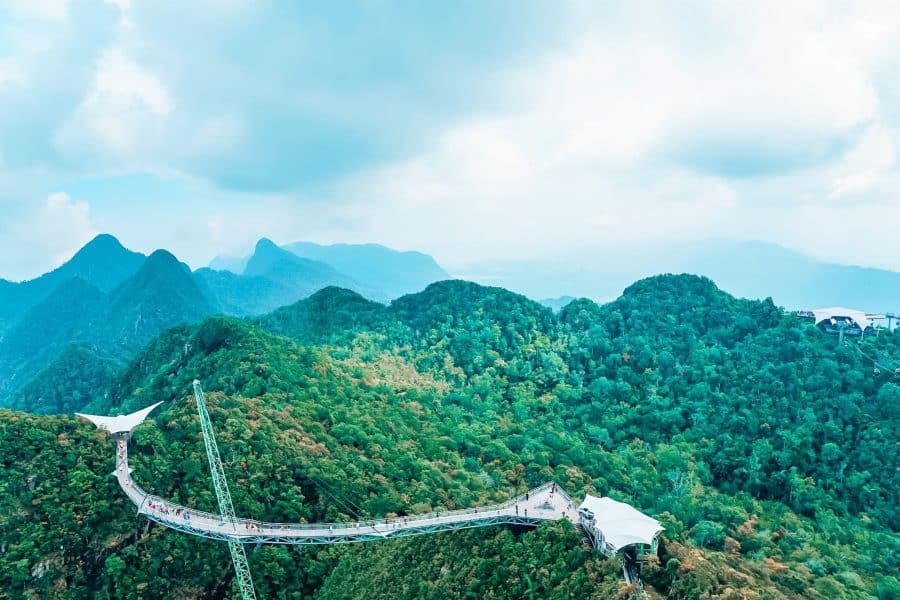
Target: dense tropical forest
(768,450)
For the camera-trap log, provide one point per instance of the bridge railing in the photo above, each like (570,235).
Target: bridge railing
(166,509)
(432,516)
(406,520)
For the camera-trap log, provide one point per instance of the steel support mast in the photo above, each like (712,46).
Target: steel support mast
(226,508)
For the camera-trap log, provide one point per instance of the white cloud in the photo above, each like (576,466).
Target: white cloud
(10,72)
(122,116)
(633,133)
(64,223)
(216,135)
(866,165)
(671,121)
(44,10)
(51,231)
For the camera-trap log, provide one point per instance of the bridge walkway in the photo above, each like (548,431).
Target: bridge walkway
(546,502)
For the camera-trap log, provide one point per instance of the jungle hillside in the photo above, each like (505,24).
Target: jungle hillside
(768,450)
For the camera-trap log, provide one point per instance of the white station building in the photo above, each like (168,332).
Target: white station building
(831,317)
(615,526)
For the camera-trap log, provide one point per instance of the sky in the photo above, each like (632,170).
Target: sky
(471,130)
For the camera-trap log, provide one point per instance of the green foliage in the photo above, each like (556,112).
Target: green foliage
(767,451)
(548,562)
(709,534)
(69,383)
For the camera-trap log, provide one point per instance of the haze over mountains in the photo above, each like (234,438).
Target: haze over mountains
(749,269)
(379,272)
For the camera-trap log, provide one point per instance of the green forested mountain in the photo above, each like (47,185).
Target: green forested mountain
(236,295)
(113,300)
(107,302)
(332,315)
(161,294)
(79,373)
(768,451)
(103,263)
(114,325)
(73,311)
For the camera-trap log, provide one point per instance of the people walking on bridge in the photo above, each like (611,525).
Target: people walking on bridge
(517,510)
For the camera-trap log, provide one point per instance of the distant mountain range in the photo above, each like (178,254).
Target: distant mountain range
(377,272)
(386,272)
(107,302)
(744,269)
(271,277)
(557,304)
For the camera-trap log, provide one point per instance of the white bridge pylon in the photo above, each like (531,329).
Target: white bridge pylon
(546,502)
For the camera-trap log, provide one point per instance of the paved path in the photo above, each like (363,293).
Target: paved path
(544,503)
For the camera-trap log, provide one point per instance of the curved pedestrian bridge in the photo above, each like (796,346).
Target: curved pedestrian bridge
(544,503)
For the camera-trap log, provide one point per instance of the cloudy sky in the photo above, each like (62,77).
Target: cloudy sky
(470,130)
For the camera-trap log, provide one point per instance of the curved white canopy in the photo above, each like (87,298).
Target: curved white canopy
(122,424)
(861,318)
(621,524)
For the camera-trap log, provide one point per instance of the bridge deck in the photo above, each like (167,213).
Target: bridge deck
(544,503)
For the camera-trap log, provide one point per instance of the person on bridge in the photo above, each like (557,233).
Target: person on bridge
(517,510)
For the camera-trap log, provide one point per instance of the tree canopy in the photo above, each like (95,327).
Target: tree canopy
(768,451)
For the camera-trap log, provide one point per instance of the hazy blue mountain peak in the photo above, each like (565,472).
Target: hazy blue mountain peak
(267,255)
(392,273)
(103,261)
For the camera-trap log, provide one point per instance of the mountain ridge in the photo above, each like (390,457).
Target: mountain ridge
(114,323)
(380,272)
(393,273)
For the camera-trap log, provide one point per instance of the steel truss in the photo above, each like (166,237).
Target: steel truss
(220,484)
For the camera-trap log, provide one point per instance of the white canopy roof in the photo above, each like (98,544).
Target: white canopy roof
(858,316)
(621,524)
(122,424)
